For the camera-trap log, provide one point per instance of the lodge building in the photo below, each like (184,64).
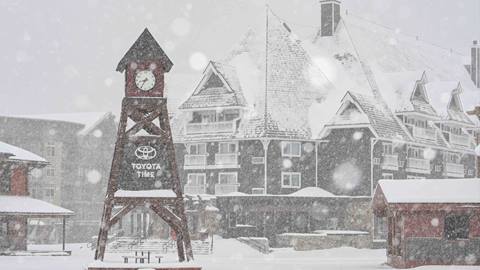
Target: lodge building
(284,127)
(78,147)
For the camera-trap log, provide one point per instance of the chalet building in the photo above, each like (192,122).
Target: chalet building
(439,223)
(281,126)
(17,208)
(78,147)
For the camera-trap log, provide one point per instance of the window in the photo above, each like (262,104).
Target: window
(387,175)
(291,149)
(196,179)
(376,161)
(197,149)
(49,193)
(227,178)
(438,168)
(456,227)
(50,171)
(387,148)
(50,149)
(227,148)
(451,158)
(380,230)
(414,152)
(470,172)
(291,179)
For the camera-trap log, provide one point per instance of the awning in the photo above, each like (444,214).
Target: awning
(26,206)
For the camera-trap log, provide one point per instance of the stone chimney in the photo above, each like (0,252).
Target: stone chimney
(329,16)
(475,64)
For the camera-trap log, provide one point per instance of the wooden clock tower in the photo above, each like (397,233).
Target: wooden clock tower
(144,171)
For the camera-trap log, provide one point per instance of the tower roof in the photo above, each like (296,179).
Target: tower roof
(145,48)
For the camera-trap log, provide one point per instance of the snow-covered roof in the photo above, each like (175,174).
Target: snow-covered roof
(312,192)
(219,87)
(26,206)
(430,190)
(155,193)
(17,153)
(89,120)
(380,117)
(145,48)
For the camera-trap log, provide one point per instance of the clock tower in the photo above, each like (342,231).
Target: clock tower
(144,171)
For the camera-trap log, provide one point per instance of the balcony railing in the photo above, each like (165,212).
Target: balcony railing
(210,127)
(194,189)
(462,140)
(390,162)
(455,170)
(418,165)
(195,160)
(225,188)
(424,133)
(226,159)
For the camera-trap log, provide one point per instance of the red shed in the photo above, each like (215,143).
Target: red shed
(16,207)
(434,221)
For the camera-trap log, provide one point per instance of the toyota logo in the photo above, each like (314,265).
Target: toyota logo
(145,152)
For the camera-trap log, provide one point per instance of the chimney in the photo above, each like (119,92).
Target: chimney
(475,64)
(329,16)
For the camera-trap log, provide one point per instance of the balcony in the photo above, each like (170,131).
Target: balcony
(462,140)
(221,189)
(424,133)
(418,165)
(210,127)
(195,160)
(455,170)
(226,159)
(390,162)
(194,189)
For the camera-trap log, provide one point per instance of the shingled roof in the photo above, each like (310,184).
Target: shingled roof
(145,48)
(219,87)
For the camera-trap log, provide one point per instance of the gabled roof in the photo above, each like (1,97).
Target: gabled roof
(219,87)
(145,48)
(381,119)
(19,154)
(429,190)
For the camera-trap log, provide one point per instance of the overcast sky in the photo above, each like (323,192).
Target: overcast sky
(60,56)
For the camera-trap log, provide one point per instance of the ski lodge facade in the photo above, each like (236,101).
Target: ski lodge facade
(17,208)
(290,136)
(439,223)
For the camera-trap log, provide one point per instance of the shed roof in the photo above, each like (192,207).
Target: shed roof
(27,206)
(430,190)
(17,153)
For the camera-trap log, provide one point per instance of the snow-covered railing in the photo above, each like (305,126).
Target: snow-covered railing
(390,161)
(462,140)
(225,188)
(194,189)
(424,133)
(418,164)
(226,159)
(455,170)
(195,160)
(210,127)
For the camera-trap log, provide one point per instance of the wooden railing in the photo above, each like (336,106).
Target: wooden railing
(225,188)
(424,133)
(226,159)
(455,170)
(195,160)
(418,164)
(210,127)
(462,140)
(194,189)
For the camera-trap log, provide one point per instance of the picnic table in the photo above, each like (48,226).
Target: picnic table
(141,256)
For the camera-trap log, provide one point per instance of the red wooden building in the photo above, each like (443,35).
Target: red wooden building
(434,221)
(16,207)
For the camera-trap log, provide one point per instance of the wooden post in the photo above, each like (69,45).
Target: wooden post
(63,234)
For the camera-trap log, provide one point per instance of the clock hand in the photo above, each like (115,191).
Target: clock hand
(144,81)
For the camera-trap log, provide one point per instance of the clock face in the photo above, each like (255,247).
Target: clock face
(145,80)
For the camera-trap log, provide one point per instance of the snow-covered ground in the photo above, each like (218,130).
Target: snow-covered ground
(228,254)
